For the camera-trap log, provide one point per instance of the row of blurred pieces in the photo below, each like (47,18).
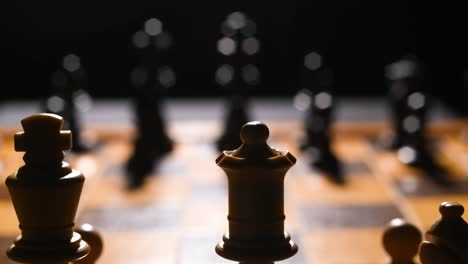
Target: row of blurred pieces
(237,74)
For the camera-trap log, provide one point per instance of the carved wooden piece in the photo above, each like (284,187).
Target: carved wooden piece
(45,193)
(447,240)
(401,241)
(256,174)
(94,239)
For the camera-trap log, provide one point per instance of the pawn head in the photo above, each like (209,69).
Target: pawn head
(451,210)
(401,241)
(254,133)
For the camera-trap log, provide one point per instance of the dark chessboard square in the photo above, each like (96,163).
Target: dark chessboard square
(414,187)
(132,218)
(352,168)
(348,216)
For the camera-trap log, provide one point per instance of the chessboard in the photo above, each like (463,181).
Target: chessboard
(179,215)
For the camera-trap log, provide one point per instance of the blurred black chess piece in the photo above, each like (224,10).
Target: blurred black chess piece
(410,104)
(69,98)
(317,101)
(238,73)
(150,79)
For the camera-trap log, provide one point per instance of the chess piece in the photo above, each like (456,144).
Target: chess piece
(94,240)
(256,174)
(70,98)
(238,49)
(318,117)
(401,241)
(149,80)
(447,239)
(236,118)
(45,194)
(409,104)
(404,77)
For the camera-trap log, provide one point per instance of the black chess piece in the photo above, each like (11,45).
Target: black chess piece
(401,241)
(447,239)
(70,98)
(410,106)
(238,48)
(236,118)
(318,117)
(149,80)
(405,78)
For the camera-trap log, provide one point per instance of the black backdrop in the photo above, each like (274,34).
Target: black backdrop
(357,37)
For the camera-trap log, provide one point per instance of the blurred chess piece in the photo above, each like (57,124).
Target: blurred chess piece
(405,81)
(401,241)
(447,240)
(150,80)
(410,104)
(45,193)
(237,74)
(70,98)
(317,101)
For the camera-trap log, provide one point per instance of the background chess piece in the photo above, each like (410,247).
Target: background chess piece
(45,193)
(401,241)
(94,240)
(405,78)
(447,239)
(318,81)
(69,97)
(238,48)
(255,174)
(150,79)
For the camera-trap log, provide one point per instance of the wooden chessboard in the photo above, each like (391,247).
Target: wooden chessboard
(180,214)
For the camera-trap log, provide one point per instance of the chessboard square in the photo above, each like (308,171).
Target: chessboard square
(171,166)
(111,191)
(199,248)
(208,190)
(416,186)
(199,216)
(356,168)
(356,246)
(351,149)
(292,221)
(136,217)
(357,190)
(9,221)
(147,247)
(349,216)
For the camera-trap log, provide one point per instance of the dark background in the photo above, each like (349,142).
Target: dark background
(358,38)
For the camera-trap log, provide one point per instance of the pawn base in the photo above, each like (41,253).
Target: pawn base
(47,252)
(257,251)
